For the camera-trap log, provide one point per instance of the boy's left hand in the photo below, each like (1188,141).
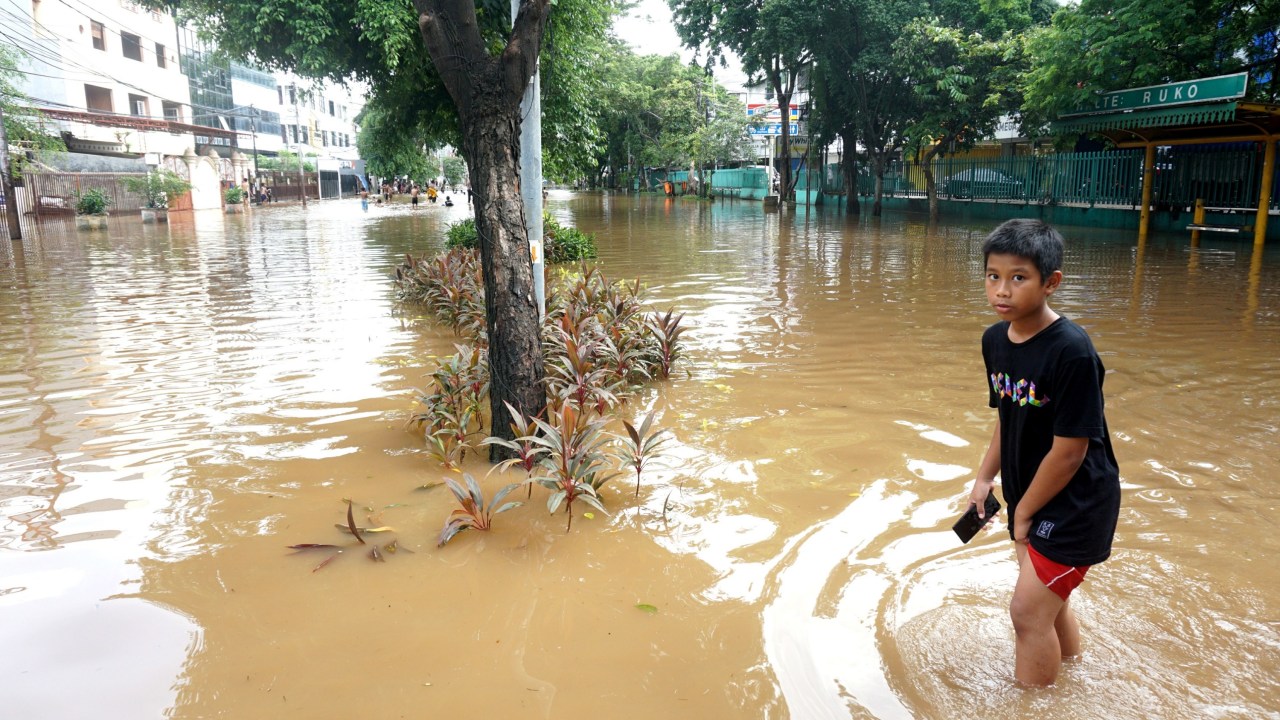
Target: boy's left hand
(1021,529)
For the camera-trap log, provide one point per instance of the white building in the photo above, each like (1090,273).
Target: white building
(108,73)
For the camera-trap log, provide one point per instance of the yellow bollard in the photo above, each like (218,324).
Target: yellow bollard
(1197,218)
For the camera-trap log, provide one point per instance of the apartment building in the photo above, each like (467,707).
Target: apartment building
(106,72)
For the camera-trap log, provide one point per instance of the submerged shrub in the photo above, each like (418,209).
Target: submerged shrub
(462,234)
(599,345)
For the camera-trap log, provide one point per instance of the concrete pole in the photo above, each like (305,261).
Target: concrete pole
(531,175)
(6,182)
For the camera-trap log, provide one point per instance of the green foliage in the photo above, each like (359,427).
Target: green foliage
(1097,46)
(233,195)
(91,202)
(24,128)
(160,187)
(474,511)
(462,234)
(663,113)
(563,244)
(454,169)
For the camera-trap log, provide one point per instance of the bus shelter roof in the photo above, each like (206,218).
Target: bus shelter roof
(1232,121)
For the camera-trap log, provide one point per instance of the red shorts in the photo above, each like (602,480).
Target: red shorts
(1059,578)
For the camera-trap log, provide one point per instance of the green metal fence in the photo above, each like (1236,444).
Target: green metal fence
(1224,176)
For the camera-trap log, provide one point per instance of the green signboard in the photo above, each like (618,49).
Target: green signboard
(1222,87)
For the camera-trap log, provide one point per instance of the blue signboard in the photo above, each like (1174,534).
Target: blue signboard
(773,129)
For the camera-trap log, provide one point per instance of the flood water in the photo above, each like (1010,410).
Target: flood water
(178,404)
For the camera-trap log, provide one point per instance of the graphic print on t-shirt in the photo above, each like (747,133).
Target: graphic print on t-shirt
(1023,391)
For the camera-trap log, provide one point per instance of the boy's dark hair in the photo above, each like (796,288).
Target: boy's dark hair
(1034,240)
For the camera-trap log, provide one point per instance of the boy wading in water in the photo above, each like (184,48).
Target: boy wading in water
(1051,445)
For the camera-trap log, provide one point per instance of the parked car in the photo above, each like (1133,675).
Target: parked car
(982,183)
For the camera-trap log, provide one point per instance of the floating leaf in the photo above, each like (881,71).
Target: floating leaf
(646,607)
(429,486)
(310,546)
(589,516)
(390,547)
(375,554)
(326,561)
(357,530)
(351,524)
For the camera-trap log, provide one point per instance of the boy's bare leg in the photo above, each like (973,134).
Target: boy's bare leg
(1035,610)
(1068,631)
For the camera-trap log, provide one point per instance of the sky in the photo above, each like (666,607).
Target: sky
(649,30)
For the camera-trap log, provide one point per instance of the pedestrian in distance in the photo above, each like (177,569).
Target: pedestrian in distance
(413,195)
(1051,445)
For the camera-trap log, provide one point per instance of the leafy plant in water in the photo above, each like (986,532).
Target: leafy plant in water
(523,429)
(462,234)
(666,329)
(645,444)
(159,187)
(474,513)
(576,459)
(92,202)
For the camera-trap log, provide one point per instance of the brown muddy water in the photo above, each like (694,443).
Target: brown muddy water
(178,404)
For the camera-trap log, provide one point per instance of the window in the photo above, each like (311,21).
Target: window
(99,34)
(138,105)
(172,111)
(280,93)
(97,99)
(293,95)
(160,62)
(284,134)
(131,46)
(331,108)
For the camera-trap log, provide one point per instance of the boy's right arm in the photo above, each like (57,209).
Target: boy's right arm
(987,472)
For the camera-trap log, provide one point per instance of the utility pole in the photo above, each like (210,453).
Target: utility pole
(253,128)
(531,175)
(297,135)
(10,200)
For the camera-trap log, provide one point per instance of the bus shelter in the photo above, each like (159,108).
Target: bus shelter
(1193,112)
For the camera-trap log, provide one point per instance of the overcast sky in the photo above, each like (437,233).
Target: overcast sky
(648,29)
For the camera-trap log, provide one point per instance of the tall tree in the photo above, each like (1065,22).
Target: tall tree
(1102,45)
(429,55)
(771,39)
(966,59)
(864,96)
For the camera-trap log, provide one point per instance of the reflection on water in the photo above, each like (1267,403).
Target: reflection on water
(177,404)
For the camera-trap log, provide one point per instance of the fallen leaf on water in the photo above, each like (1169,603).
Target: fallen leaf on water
(310,546)
(375,554)
(326,561)
(646,607)
(357,531)
(390,547)
(351,524)
(429,486)
(589,516)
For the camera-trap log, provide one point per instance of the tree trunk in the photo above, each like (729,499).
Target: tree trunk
(784,152)
(850,141)
(930,183)
(877,166)
(487,91)
(492,144)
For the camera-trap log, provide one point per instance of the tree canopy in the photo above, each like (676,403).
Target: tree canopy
(1103,45)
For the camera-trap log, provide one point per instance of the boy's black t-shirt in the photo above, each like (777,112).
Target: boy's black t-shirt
(1052,385)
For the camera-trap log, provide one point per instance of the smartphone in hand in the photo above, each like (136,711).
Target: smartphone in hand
(969,523)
